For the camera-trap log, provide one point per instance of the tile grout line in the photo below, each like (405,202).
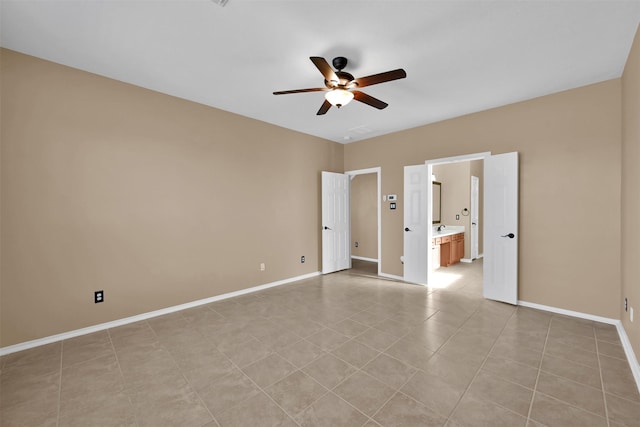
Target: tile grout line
(259,388)
(484,361)
(417,369)
(535,385)
(115,354)
(604,394)
(60,384)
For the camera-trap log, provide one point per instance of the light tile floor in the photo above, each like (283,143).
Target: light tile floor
(347,349)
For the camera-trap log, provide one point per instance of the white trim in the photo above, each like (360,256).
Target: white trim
(108,325)
(362,258)
(467,260)
(569,312)
(391,276)
(628,350)
(378,171)
(624,339)
(455,159)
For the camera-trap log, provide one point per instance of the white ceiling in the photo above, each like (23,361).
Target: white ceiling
(460,56)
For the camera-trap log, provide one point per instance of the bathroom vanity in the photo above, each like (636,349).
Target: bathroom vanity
(447,246)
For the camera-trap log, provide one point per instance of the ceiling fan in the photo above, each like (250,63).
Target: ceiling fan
(342,87)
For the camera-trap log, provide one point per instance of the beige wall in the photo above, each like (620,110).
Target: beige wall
(631,193)
(364,215)
(156,200)
(569,145)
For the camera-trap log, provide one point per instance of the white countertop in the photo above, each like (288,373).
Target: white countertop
(448,231)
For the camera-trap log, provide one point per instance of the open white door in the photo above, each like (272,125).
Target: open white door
(501,228)
(336,233)
(416,245)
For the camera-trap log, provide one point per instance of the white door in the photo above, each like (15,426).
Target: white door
(475,195)
(336,233)
(416,243)
(501,228)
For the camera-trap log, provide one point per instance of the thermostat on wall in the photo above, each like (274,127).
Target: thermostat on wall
(392,197)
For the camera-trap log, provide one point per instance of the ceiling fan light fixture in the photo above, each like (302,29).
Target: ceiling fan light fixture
(339,97)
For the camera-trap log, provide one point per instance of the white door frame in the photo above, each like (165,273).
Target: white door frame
(378,172)
(441,161)
(475,217)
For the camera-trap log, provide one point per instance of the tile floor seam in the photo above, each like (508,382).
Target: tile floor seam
(60,384)
(604,395)
(193,389)
(396,391)
(557,399)
(292,417)
(484,361)
(535,385)
(243,373)
(115,354)
(330,391)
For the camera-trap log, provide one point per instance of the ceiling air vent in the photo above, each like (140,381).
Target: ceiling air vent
(220,2)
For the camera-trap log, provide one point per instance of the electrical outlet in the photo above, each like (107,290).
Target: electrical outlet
(302,259)
(626,304)
(262,266)
(98,296)
(458,217)
(356,244)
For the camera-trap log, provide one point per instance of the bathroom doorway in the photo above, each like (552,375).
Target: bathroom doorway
(500,230)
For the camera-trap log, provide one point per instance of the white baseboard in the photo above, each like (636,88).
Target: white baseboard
(391,276)
(624,339)
(467,260)
(115,323)
(361,258)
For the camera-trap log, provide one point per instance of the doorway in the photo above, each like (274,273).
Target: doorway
(365,201)
(460,201)
(500,263)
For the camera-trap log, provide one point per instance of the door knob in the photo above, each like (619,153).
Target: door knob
(326,228)
(407,229)
(510,235)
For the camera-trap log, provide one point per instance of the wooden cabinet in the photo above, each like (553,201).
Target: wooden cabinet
(451,249)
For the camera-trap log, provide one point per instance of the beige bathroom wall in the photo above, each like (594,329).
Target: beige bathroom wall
(569,145)
(631,194)
(155,200)
(364,215)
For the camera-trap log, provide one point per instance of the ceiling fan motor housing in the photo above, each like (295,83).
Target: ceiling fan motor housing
(339,62)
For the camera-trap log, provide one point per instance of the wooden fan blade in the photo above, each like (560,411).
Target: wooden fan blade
(314,89)
(324,108)
(369,100)
(325,69)
(381,78)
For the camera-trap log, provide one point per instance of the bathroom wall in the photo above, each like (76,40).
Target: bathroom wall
(456,195)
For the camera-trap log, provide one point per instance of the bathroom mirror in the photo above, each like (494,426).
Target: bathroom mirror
(436,205)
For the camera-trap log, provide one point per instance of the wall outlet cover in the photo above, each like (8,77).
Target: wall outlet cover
(98,297)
